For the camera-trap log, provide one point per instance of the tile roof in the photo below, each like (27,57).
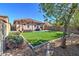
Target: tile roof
(27,21)
(3,18)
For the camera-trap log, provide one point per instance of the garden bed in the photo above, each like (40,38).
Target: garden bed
(37,38)
(13,40)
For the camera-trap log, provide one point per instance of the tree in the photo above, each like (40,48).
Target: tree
(62,12)
(74,23)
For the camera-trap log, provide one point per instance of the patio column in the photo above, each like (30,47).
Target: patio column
(1,42)
(1,38)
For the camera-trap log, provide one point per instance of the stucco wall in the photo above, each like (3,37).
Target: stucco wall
(7,25)
(2,35)
(27,27)
(7,28)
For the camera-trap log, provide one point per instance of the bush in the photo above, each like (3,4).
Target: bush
(13,41)
(14,33)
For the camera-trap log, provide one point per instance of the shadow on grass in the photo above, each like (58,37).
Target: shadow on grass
(57,35)
(38,42)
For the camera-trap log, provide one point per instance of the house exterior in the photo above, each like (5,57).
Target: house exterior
(47,26)
(4,30)
(28,25)
(2,35)
(6,22)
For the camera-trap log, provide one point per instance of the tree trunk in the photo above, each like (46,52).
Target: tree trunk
(63,44)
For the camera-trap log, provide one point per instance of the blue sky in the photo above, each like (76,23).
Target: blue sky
(21,10)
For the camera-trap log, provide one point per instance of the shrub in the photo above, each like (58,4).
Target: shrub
(13,41)
(14,33)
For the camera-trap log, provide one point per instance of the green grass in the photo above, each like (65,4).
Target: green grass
(36,38)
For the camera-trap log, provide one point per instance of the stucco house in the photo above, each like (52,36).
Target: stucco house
(4,30)
(47,26)
(6,23)
(28,25)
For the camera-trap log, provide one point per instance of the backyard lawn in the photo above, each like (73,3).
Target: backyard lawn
(36,38)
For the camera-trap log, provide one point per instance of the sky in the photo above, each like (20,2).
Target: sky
(21,10)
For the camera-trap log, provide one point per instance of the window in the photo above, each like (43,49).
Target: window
(24,24)
(34,25)
(28,26)
(17,25)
